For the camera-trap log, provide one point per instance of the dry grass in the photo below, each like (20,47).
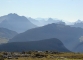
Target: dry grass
(22,58)
(62,56)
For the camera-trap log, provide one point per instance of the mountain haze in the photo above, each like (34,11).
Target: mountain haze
(78,23)
(42,21)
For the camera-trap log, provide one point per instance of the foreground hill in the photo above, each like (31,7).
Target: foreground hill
(6,34)
(68,35)
(52,44)
(16,23)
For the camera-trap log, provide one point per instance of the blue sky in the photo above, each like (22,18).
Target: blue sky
(67,10)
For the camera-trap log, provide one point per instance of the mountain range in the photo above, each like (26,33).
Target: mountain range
(42,21)
(35,31)
(70,36)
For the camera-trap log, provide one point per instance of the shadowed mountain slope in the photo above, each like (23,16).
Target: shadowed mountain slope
(52,44)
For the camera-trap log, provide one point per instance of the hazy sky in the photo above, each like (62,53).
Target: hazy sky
(68,10)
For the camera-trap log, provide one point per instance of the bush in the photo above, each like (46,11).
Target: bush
(1,58)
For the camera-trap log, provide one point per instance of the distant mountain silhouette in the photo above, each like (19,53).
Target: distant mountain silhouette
(51,20)
(68,35)
(78,23)
(36,22)
(6,34)
(16,23)
(42,21)
(52,44)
